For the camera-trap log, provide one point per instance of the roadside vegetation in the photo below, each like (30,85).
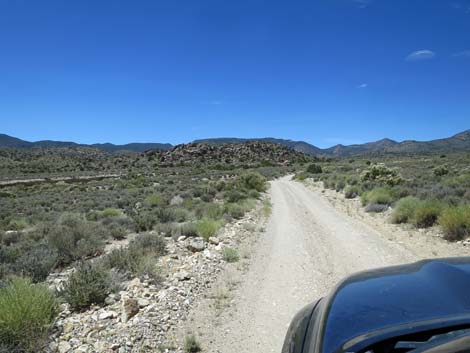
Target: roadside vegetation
(424,191)
(55,226)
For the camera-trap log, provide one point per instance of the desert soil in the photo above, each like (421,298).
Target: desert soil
(311,241)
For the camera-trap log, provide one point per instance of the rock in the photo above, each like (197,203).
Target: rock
(214,240)
(143,302)
(107,315)
(196,245)
(182,238)
(182,275)
(64,347)
(208,254)
(135,283)
(130,307)
(176,200)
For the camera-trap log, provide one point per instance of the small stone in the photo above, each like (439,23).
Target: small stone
(182,238)
(64,347)
(214,240)
(182,275)
(130,307)
(143,302)
(107,315)
(196,245)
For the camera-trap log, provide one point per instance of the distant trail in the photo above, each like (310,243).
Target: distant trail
(5,183)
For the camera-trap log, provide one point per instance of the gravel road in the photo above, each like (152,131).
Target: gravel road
(307,248)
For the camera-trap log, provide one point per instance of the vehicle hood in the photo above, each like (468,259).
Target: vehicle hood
(395,296)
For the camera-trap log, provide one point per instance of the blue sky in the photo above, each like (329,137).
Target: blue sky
(326,71)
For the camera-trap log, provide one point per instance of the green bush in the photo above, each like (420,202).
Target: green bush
(455,222)
(426,213)
(441,171)
(314,169)
(27,312)
(235,210)
(74,238)
(252,181)
(155,201)
(404,210)
(87,285)
(379,196)
(352,192)
(381,174)
(230,255)
(17,224)
(207,228)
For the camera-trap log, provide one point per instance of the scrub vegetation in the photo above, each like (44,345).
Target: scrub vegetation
(50,225)
(422,190)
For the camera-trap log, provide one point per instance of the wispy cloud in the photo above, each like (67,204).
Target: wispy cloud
(462,54)
(214,102)
(418,55)
(363,85)
(362,3)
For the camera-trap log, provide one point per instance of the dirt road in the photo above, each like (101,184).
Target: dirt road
(307,248)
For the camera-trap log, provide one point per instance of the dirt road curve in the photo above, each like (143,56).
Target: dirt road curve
(307,248)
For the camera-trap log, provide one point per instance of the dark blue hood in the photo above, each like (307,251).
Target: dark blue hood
(401,295)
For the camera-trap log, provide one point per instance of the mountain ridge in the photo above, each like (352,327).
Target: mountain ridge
(457,142)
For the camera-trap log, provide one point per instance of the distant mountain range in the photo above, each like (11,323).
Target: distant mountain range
(13,142)
(458,142)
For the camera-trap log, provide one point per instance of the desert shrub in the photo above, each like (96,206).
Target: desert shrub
(235,210)
(254,194)
(117,232)
(300,176)
(404,210)
(379,196)
(375,208)
(155,201)
(209,210)
(11,237)
(27,312)
(381,174)
(144,221)
(455,222)
(188,229)
(340,185)
(314,169)
(230,255)
(164,229)
(17,224)
(441,170)
(191,345)
(74,238)
(207,228)
(148,243)
(87,285)
(235,195)
(352,191)
(252,181)
(426,213)
(35,262)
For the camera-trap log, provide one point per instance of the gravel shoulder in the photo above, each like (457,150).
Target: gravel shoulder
(311,241)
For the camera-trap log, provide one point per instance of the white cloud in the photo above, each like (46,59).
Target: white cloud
(462,54)
(424,54)
(363,85)
(214,102)
(362,3)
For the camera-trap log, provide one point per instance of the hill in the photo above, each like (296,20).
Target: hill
(249,153)
(299,146)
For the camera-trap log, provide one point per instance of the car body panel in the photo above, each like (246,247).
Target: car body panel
(378,304)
